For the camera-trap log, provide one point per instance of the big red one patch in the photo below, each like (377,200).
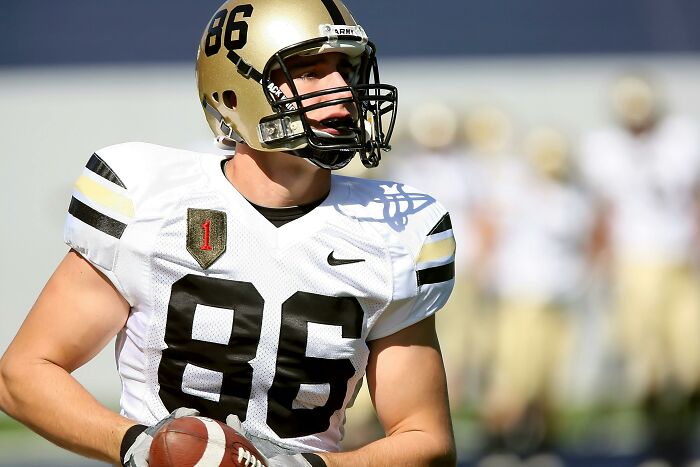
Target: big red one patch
(206,235)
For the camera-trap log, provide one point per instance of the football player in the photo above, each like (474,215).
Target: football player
(257,288)
(542,229)
(645,174)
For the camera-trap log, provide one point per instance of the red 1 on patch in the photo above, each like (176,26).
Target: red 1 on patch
(206,235)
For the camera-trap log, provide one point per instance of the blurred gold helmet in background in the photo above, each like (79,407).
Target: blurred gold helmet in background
(547,152)
(635,102)
(488,130)
(434,125)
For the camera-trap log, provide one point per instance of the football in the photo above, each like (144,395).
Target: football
(202,442)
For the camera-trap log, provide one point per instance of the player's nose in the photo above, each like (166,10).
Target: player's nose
(335,79)
(345,105)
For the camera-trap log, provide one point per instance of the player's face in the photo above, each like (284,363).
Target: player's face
(317,73)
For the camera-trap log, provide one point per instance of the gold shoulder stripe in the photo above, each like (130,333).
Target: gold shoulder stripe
(104,196)
(437,250)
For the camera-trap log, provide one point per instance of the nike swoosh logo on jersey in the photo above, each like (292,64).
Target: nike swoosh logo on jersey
(337,262)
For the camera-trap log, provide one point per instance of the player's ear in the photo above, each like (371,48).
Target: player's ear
(229,99)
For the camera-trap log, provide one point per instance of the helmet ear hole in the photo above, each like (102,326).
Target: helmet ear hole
(215,96)
(230,100)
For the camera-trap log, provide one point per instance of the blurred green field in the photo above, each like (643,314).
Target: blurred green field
(20,447)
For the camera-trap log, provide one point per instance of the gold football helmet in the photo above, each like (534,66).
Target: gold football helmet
(636,102)
(488,130)
(246,40)
(548,152)
(433,125)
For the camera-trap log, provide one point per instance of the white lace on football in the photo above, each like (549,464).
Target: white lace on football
(250,459)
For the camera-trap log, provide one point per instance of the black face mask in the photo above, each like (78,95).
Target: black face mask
(365,135)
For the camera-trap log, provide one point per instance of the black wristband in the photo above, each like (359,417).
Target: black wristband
(314,459)
(129,438)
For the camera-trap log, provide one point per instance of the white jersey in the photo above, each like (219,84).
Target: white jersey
(651,183)
(543,227)
(230,314)
(450,177)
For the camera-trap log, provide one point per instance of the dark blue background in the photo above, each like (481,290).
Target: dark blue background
(104,31)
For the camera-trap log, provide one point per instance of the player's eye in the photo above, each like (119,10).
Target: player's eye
(307,75)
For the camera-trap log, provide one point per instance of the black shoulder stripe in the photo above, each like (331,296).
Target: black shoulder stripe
(314,459)
(243,67)
(442,225)
(333,10)
(100,167)
(437,274)
(96,219)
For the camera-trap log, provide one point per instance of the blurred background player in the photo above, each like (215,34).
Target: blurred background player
(541,226)
(488,136)
(645,174)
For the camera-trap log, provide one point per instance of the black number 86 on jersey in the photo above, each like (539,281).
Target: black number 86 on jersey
(232,359)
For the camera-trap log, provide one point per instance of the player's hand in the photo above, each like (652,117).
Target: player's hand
(278,460)
(137,454)
(234,422)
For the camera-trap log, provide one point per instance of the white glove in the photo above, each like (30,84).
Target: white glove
(234,422)
(272,451)
(266,447)
(137,454)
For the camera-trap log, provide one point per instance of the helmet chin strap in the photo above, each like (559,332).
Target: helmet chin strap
(222,142)
(329,159)
(323,159)
(229,137)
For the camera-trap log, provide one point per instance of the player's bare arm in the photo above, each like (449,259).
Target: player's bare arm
(75,316)
(406,378)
